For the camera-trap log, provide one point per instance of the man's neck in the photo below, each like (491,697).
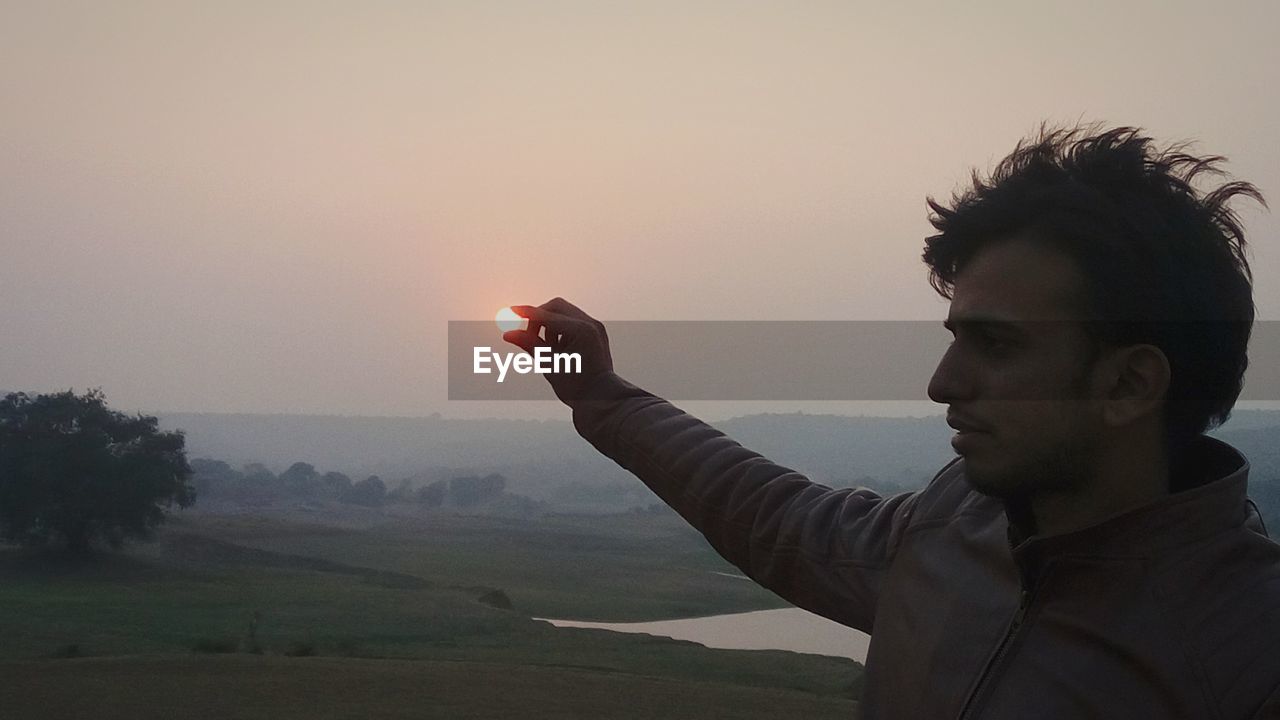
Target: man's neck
(1126,477)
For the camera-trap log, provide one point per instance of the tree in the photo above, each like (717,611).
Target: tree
(213,477)
(471,490)
(258,485)
(432,495)
(74,471)
(300,479)
(370,491)
(335,484)
(403,492)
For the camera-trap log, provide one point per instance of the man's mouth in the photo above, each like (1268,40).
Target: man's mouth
(968,433)
(964,425)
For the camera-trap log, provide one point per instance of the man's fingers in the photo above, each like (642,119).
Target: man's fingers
(539,313)
(551,309)
(557,326)
(517,338)
(537,318)
(523,339)
(568,329)
(564,307)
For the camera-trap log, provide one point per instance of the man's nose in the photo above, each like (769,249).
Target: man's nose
(950,382)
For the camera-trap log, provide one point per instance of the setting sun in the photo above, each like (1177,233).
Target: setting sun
(507,319)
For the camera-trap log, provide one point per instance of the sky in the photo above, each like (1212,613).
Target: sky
(276,207)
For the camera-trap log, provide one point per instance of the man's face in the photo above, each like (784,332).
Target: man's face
(1017,376)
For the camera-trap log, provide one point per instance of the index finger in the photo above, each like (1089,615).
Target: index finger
(539,317)
(539,314)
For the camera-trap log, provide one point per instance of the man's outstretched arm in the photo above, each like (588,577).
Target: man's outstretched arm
(824,550)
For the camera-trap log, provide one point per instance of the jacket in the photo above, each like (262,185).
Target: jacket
(1168,611)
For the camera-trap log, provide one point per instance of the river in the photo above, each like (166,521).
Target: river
(786,629)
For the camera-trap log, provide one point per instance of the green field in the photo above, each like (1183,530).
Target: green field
(225,687)
(316,604)
(617,568)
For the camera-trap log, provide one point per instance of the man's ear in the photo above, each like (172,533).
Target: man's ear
(1138,378)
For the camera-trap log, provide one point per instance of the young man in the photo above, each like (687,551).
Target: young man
(1090,553)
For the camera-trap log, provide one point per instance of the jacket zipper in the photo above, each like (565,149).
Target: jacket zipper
(984,680)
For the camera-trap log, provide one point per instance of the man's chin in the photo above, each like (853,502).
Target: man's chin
(1011,480)
(996,491)
(994,483)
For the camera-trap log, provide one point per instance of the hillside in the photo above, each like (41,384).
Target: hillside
(548,462)
(278,615)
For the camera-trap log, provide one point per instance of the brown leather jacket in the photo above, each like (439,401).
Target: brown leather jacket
(1168,611)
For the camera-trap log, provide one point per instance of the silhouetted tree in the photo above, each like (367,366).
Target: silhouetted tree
(471,490)
(258,485)
(370,491)
(211,477)
(300,479)
(335,484)
(259,474)
(403,492)
(432,495)
(74,471)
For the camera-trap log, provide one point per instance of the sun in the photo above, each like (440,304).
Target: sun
(507,319)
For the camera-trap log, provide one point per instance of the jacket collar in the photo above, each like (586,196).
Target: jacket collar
(1214,499)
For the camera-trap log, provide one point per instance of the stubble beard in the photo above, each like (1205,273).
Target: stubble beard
(1062,468)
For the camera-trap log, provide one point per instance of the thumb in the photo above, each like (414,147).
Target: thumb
(524,340)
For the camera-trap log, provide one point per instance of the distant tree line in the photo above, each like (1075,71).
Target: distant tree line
(255,484)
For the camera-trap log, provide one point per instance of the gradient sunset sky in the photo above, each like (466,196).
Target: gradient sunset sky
(277,206)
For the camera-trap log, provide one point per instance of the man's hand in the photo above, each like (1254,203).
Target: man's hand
(568,330)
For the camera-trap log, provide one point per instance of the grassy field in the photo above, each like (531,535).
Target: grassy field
(224,687)
(312,601)
(617,568)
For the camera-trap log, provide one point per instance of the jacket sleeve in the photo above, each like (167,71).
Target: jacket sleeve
(821,549)
(1270,709)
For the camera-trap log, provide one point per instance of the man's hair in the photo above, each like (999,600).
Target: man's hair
(1163,263)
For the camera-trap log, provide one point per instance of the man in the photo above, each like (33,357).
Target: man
(1090,553)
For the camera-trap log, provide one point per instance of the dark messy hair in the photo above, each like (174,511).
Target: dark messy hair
(1164,264)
